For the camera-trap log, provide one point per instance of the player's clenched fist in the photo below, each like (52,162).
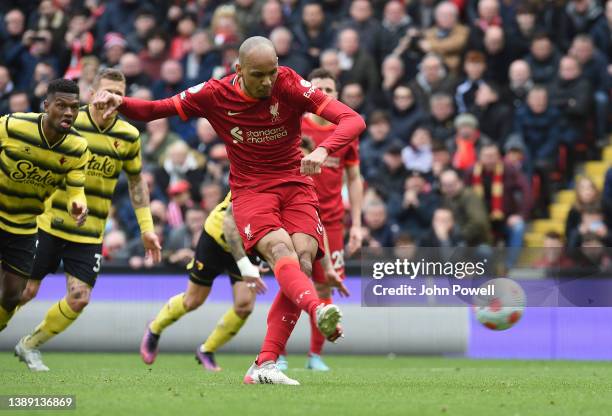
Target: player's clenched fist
(104,100)
(311,164)
(79,211)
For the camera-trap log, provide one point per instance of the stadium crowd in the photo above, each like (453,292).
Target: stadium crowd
(476,109)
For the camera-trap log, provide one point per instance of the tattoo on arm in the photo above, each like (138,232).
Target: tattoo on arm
(139,194)
(232,236)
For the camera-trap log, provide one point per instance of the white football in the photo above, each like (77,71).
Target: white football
(503,306)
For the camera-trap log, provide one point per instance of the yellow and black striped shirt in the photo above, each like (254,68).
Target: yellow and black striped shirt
(113,149)
(31,170)
(214,223)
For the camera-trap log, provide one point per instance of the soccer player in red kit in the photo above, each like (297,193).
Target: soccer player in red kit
(328,186)
(257,113)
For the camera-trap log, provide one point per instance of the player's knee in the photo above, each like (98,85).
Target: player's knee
(279,250)
(306,263)
(192,302)
(78,299)
(243,309)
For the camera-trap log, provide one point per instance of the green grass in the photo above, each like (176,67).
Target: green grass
(119,384)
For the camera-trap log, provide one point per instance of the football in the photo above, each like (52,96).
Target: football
(503,307)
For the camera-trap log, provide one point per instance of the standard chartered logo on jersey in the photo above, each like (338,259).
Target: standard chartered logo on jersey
(258,136)
(26,172)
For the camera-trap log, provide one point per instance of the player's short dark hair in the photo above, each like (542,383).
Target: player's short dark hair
(111,74)
(62,85)
(322,73)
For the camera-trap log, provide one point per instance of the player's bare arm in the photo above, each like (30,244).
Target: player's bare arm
(355,191)
(249,272)
(139,197)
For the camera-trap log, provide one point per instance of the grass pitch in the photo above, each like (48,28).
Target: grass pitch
(119,384)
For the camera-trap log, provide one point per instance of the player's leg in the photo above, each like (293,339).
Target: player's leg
(81,264)
(229,324)
(202,270)
(17,252)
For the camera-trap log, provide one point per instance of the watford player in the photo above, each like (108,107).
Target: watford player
(114,145)
(38,153)
(219,250)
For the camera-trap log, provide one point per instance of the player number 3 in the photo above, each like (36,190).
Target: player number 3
(98,258)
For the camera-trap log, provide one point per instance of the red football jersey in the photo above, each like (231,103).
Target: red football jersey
(329,183)
(262,136)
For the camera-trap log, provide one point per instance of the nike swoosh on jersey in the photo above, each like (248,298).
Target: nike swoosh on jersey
(232,113)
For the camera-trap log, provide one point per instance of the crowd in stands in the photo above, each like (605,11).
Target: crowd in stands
(476,109)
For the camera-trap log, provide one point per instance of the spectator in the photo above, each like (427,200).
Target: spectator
(131,66)
(537,123)
(357,64)
(543,59)
(49,17)
(119,16)
(11,36)
(181,45)
(35,48)
(443,233)
(271,18)
(43,74)
(156,140)
(144,24)
(572,95)
(448,37)
(212,195)
(114,48)
(374,144)
(224,26)
(393,74)
(352,95)
(113,246)
(395,24)
(199,64)
(405,114)
(499,55)
(468,209)
(506,194)
(369,29)
(588,198)
(6,88)
(488,17)
(417,206)
(390,178)
(80,42)
(474,66)
(591,222)
(519,74)
(180,201)
(467,143)
(594,69)
(180,248)
(154,55)
(441,120)
(418,155)
(182,163)
(247,14)
(171,80)
(19,102)
(282,39)
(431,79)
(523,29)
(313,35)
(553,256)
(331,63)
(440,161)
(380,232)
(494,116)
(89,68)
(580,17)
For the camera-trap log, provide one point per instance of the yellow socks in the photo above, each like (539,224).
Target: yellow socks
(5,317)
(227,327)
(59,317)
(169,314)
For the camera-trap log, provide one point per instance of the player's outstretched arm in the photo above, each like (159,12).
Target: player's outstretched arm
(249,272)
(139,197)
(134,108)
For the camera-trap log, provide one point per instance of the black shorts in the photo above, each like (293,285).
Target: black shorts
(210,261)
(81,260)
(17,252)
